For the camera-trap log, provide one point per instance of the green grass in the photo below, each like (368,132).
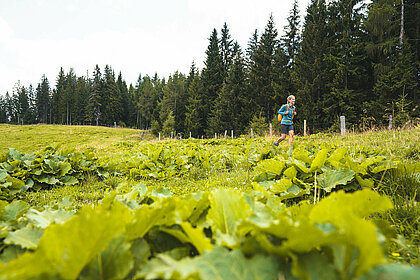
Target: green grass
(29,138)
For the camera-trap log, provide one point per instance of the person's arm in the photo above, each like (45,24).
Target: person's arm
(282,110)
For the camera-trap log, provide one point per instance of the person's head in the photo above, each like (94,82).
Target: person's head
(291,99)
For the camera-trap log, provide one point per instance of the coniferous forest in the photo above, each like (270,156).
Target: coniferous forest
(344,58)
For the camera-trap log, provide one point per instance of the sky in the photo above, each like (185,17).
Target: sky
(38,37)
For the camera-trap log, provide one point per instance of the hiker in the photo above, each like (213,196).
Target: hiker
(287,112)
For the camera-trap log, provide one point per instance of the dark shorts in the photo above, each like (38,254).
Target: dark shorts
(286,128)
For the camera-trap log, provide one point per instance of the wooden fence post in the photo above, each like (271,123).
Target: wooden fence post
(343,125)
(304,128)
(271,130)
(232,133)
(390,122)
(252,133)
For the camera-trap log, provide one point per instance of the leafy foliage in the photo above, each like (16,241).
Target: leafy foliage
(224,234)
(43,169)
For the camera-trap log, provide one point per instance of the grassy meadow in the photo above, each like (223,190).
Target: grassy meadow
(82,165)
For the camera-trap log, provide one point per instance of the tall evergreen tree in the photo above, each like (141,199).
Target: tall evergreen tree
(43,100)
(212,75)
(226,50)
(261,71)
(291,39)
(3,114)
(232,106)
(194,107)
(174,100)
(83,87)
(111,98)
(311,67)
(94,106)
(24,114)
(147,101)
(347,61)
(57,109)
(125,100)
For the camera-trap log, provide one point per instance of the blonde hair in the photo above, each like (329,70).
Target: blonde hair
(290,97)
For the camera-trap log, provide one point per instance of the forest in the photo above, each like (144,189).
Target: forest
(352,58)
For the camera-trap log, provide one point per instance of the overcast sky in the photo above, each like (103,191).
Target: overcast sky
(157,36)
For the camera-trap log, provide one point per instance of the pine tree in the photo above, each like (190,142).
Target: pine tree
(194,107)
(261,71)
(291,40)
(212,76)
(43,100)
(226,50)
(125,100)
(174,100)
(57,109)
(81,99)
(311,68)
(111,98)
(232,106)
(68,98)
(94,106)
(33,110)
(24,114)
(347,62)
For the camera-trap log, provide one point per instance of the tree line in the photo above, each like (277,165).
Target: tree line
(346,58)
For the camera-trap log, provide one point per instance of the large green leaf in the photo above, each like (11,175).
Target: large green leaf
(271,166)
(331,178)
(227,209)
(391,272)
(115,262)
(45,218)
(26,237)
(281,185)
(197,237)
(337,158)
(346,213)
(3,175)
(65,249)
(14,210)
(216,264)
(319,160)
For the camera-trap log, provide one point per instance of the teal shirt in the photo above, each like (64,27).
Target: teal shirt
(287,119)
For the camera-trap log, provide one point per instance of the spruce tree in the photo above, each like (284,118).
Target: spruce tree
(226,50)
(174,101)
(57,109)
(347,61)
(261,71)
(212,76)
(194,107)
(111,98)
(311,67)
(94,106)
(43,100)
(231,111)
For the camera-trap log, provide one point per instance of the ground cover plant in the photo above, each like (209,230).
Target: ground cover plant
(328,207)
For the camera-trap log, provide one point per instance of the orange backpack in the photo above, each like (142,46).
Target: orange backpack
(280,116)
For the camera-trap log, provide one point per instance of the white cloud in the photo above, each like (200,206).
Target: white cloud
(160,41)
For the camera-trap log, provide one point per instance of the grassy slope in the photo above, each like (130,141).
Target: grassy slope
(30,138)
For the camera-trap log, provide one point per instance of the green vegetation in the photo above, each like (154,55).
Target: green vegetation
(328,207)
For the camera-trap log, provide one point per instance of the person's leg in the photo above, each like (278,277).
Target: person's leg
(283,131)
(282,137)
(291,133)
